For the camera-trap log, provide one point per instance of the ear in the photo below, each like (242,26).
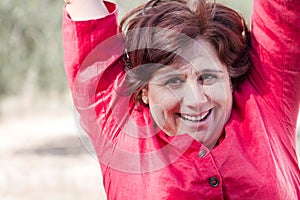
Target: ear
(231,87)
(145,98)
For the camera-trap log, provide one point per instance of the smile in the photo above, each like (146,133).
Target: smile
(199,118)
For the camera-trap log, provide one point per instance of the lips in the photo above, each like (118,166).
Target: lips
(195,118)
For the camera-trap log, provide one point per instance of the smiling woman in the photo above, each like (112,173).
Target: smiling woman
(191,96)
(181,101)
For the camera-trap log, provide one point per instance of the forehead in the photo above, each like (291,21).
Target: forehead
(197,57)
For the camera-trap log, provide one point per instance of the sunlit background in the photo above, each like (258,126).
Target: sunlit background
(42,153)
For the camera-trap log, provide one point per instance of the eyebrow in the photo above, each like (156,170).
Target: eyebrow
(164,75)
(211,70)
(171,74)
(178,72)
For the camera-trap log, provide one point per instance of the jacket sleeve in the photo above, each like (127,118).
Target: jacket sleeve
(81,38)
(92,51)
(276,56)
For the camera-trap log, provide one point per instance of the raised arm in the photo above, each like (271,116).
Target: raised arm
(80,10)
(276,42)
(85,26)
(91,47)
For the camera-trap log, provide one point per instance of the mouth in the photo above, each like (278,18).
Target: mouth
(193,118)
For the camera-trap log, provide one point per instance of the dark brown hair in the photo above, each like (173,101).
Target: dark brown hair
(149,45)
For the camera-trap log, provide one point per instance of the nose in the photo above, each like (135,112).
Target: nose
(194,95)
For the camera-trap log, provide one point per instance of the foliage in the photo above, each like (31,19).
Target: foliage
(31,50)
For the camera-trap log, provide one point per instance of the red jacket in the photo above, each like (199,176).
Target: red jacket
(255,160)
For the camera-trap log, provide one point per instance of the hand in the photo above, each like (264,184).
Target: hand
(81,10)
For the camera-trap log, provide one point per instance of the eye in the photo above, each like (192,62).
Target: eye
(174,82)
(208,79)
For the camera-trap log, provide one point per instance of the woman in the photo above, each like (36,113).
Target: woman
(171,106)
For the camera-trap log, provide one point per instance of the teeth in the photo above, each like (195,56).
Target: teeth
(195,119)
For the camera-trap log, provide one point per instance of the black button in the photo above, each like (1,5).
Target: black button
(214,182)
(202,153)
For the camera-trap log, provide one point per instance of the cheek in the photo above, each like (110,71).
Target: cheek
(162,98)
(221,95)
(163,104)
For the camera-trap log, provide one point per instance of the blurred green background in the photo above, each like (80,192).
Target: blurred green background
(31,50)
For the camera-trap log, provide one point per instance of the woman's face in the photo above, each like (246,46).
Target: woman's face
(193,95)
